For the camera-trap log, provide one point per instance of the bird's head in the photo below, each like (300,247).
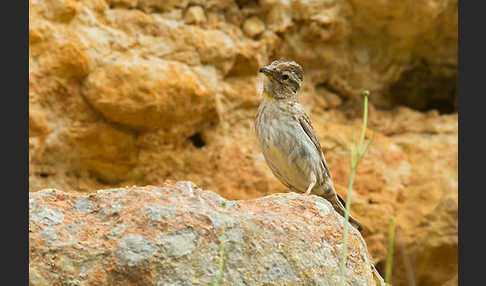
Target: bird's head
(282,79)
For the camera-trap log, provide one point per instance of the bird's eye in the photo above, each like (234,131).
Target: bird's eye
(285,77)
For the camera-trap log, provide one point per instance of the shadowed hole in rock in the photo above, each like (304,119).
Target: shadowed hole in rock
(427,87)
(246,3)
(197,140)
(43,175)
(331,89)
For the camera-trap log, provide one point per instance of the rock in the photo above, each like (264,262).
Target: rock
(122,3)
(253,26)
(68,60)
(47,216)
(195,15)
(147,95)
(134,249)
(286,239)
(60,10)
(38,125)
(109,153)
(157,6)
(434,238)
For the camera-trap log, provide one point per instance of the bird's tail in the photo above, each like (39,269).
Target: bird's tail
(338,204)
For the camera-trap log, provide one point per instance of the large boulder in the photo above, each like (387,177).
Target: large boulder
(176,234)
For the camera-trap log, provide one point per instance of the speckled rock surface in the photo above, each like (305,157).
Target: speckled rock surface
(171,235)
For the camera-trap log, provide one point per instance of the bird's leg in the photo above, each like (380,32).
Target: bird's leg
(311,185)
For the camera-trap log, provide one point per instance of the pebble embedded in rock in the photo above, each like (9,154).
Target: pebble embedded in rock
(134,249)
(49,235)
(83,205)
(158,213)
(47,216)
(195,15)
(179,243)
(253,26)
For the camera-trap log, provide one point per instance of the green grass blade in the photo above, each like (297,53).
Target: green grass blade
(360,151)
(391,243)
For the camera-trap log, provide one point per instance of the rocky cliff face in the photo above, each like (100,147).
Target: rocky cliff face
(126,92)
(173,235)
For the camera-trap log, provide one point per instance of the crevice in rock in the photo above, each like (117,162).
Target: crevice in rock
(327,86)
(246,3)
(104,119)
(427,87)
(197,140)
(146,9)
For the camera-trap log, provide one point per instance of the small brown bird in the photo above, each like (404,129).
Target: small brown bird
(288,141)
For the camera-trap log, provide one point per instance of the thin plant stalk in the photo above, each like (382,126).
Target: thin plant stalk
(391,243)
(365,122)
(346,219)
(355,160)
(405,259)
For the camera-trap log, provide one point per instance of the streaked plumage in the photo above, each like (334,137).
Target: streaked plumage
(287,139)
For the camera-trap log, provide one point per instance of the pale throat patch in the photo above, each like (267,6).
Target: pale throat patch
(260,88)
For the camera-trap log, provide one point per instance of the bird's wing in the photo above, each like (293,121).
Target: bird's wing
(307,126)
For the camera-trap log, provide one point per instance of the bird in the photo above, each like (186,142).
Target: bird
(287,139)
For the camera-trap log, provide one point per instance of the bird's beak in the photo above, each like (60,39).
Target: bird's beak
(269,71)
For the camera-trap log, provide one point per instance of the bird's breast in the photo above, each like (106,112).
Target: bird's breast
(288,151)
